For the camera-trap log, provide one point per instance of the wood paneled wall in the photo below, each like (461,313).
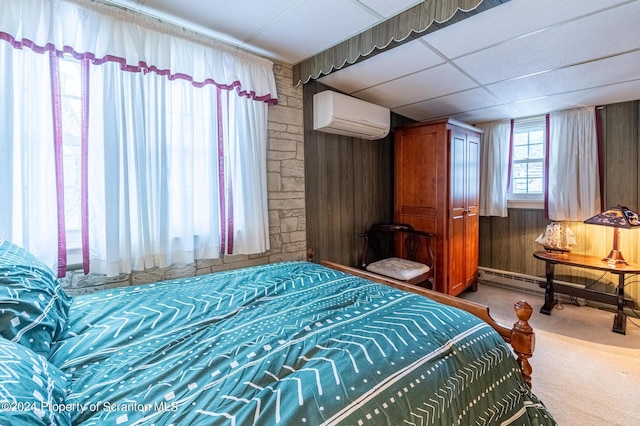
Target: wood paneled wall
(349,186)
(508,243)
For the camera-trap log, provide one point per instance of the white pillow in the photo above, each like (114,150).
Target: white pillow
(400,269)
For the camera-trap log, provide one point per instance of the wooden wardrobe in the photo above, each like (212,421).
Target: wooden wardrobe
(436,190)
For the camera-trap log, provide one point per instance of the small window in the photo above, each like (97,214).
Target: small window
(71,110)
(526,188)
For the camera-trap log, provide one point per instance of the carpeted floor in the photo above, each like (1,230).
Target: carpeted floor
(583,372)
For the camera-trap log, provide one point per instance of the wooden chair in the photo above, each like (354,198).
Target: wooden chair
(391,249)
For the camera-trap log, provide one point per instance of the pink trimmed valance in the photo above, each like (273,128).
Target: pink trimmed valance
(102,33)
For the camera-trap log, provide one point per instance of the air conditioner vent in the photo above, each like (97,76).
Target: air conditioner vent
(348,116)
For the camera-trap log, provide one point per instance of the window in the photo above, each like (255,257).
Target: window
(526,188)
(167,162)
(71,127)
(166,167)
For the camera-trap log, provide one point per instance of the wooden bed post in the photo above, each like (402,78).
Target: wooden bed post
(311,253)
(523,338)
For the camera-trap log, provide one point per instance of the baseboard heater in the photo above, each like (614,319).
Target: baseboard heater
(522,282)
(516,280)
(531,284)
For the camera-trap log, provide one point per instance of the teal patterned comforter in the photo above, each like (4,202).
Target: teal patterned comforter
(285,344)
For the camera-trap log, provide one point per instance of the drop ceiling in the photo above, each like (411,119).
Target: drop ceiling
(518,59)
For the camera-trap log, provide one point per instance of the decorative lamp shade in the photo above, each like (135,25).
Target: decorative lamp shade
(617,217)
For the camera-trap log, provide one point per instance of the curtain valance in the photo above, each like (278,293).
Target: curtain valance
(104,33)
(425,17)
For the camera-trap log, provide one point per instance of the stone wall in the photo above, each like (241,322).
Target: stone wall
(285,169)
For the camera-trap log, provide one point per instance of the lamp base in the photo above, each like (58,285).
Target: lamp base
(615,258)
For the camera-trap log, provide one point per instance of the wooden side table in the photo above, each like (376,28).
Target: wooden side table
(587,262)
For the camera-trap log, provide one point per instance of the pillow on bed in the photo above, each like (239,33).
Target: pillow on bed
(33,305)
(32,388)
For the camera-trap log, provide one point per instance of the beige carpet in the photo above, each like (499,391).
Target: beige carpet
(583,372)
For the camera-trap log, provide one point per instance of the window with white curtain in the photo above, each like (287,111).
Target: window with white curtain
(553,165)
(162,158)
(159,190)
(128,152)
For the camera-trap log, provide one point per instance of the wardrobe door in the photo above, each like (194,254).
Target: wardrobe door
(463,211)
(456,238)
(472,228)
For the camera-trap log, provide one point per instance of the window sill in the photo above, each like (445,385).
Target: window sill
(525,204)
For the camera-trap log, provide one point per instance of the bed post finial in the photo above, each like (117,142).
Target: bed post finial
(523,338)
(311,254)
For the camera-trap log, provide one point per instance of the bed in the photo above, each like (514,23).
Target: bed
(292,343)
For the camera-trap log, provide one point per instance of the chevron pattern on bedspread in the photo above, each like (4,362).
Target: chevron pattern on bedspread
(284,344)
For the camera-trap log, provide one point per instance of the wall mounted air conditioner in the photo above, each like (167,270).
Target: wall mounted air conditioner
(345,115)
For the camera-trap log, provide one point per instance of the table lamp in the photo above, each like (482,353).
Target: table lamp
(616,217)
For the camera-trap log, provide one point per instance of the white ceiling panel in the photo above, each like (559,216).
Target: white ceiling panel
(591,74)
(512,19)
(486,114)
(213,14)
(603,95)
(541,106)
(557,46)
(215,18)
(305,31)
(450,104)
(438,81)
(580,98)
(388,8)
(406,59)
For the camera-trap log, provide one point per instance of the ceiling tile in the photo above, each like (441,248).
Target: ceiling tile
(405,59)
(440,80)
(540,106)
(215,14)
(501,23)
(388,8)
(486,114)
(447,105)
(591,74)
(620,92)
(313,26)
(557,46)
(604,95)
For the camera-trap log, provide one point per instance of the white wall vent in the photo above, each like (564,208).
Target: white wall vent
(345,115)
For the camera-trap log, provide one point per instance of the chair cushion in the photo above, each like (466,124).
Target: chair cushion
(400,269)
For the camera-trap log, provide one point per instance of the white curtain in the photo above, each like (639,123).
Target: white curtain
(494,167)
(247,172)
(573,187)
(165,186)
(153,171)
(28,212)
